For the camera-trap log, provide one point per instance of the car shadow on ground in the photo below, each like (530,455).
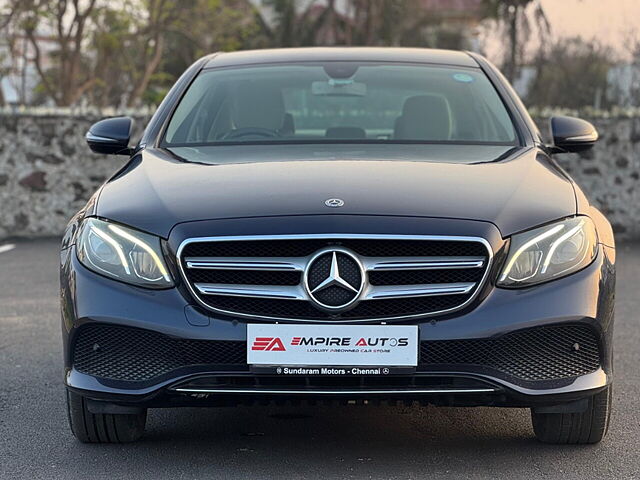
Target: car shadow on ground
(359,440)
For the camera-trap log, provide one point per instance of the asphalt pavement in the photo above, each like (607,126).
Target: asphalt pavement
(285,442)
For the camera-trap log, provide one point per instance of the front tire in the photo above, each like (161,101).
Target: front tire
(91,427)
(586,427)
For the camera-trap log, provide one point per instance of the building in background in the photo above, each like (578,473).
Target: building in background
(19,78)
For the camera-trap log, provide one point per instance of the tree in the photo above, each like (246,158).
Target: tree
(296,23)
(85,49)
(292,23)
(112,53)
(625,88)
(513,17)
(128,52)
(207,26)
(5,18)
(67,22)
(381,22)
(573,74)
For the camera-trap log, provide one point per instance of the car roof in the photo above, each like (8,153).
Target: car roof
(359,54)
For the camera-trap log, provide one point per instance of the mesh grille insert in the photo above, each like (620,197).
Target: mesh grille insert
(133,354)
(365,247)
(363,310)
(416,277)
(544,353)
(537,354)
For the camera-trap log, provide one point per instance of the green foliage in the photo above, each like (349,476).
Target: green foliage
(124,52)
(131,51)
(200,27)
(358,22)
(572,74)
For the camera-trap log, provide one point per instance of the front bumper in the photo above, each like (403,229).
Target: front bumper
(584,299)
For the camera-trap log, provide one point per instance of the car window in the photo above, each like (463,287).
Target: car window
(340,102)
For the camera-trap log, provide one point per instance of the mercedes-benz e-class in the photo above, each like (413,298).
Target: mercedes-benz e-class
(349,225)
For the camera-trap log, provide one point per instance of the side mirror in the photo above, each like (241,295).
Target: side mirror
(572,134)
(110,136)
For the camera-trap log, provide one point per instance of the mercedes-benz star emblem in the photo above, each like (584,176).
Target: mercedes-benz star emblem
(334,279)
(334,202)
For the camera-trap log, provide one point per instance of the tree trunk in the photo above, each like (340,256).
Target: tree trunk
(149,70)
(513,43)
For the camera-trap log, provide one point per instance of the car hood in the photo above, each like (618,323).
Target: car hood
(514,189)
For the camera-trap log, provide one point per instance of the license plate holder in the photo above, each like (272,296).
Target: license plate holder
(329,371)
(322,345)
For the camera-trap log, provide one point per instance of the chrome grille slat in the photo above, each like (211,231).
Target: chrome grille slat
(256,291)
(297,293)
(244,263)
(298,263)
(208,269)
(377,292)
(421,263)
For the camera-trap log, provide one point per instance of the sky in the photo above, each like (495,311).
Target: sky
(612,22)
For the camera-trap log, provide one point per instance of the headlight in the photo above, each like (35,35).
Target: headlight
(122,253)
(549,252)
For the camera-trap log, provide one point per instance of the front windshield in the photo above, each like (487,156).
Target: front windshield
(340,102)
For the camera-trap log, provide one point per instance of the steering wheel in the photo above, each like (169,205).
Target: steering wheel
(251,131)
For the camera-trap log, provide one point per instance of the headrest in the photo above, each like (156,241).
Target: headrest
(288,125)
(345,132)
(258,107)
(424,117)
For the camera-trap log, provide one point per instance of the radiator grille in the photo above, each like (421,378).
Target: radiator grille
(405,277)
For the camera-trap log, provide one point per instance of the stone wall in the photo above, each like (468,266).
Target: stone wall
(47,172)
(609,174)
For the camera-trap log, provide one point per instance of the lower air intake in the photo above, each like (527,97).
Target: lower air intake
(132,354)
(124,353)
(544,353)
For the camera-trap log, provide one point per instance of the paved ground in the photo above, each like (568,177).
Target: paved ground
(260,442)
